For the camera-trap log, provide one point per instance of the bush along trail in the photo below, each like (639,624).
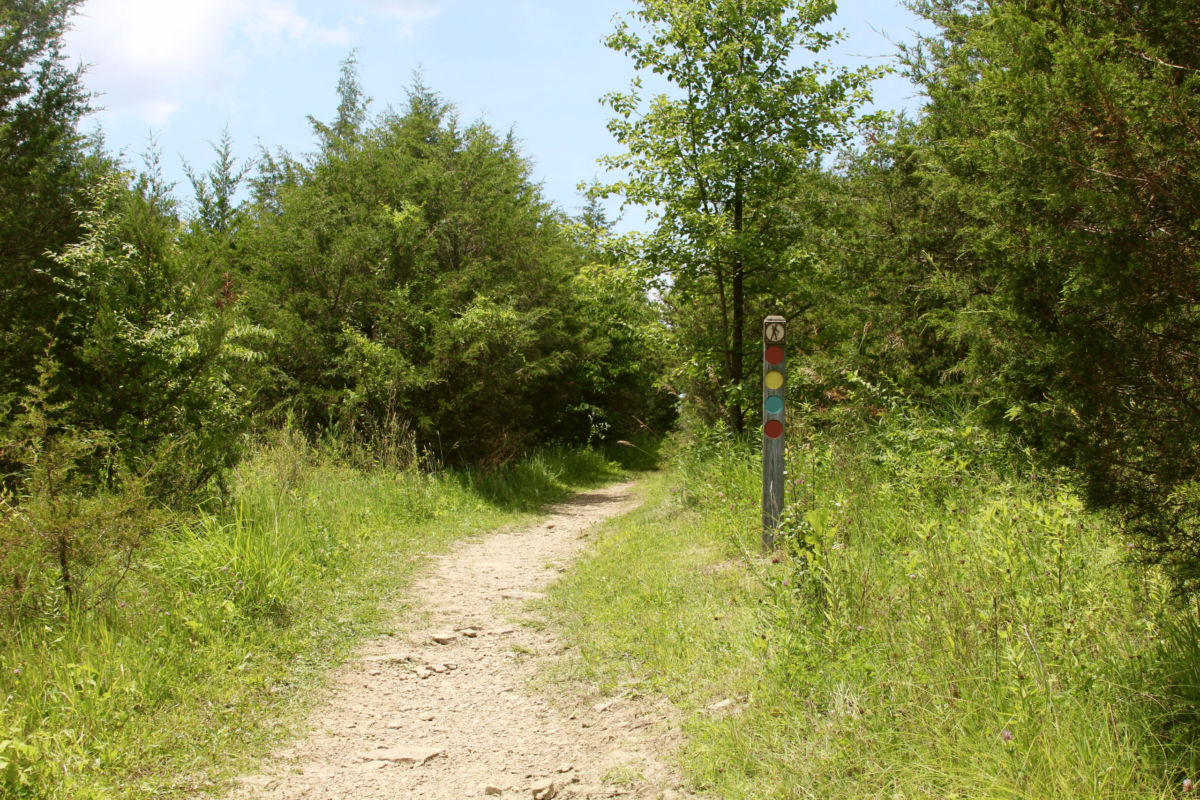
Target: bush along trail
(218,639)
(444,705)
(942,620)
(237,428)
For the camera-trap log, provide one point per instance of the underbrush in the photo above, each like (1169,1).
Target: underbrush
(207,648)
(941,620)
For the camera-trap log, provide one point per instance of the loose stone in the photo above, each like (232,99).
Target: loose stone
(406,755)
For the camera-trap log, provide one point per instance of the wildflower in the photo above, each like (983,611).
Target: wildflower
(860,627)
(17,671)
(1188,785)
(122,604)
(1006,735)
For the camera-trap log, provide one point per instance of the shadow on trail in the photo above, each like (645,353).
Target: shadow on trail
(543,478)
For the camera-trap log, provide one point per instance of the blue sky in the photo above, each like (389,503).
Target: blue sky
(186,68)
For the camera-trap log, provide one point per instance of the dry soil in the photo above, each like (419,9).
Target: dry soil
(449,706)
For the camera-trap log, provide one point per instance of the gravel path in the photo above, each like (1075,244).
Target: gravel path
(445,708)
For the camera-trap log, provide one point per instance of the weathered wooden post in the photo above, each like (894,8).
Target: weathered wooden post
(774,383)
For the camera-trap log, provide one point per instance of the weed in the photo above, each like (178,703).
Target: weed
(625,776)
(209,649)
(944,620)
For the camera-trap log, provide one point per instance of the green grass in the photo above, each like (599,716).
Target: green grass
(221,635)
(941,621)
(657,600)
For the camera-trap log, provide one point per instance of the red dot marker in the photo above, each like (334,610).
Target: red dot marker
(774,356)
(773,429)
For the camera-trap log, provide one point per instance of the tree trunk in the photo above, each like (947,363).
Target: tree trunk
(737,367)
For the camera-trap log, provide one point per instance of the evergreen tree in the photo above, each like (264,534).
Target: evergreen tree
(412,268)
(1065,133)
(46,166)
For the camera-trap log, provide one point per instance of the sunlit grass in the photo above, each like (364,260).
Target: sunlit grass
(216,640)
(933,626)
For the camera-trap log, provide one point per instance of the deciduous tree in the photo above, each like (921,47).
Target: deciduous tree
(713,160)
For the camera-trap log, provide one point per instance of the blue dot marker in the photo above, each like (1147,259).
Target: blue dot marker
(774,405)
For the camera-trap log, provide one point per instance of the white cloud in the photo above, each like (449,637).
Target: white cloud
(407,13)
(157,111)
(150,57)
(147,54)
(272,21)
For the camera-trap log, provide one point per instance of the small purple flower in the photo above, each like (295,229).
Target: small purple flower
(860,627)
(1006,735)
(122,604)
(787,583)
(17,671)
(1188,785)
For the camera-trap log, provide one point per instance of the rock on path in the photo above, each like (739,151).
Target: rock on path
(443,709)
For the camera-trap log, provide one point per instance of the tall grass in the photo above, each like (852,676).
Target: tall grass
(943,620)
(209,649)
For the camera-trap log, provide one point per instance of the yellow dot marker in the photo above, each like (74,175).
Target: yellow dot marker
(774,380)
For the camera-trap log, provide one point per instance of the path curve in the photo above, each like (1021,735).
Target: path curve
(444,709)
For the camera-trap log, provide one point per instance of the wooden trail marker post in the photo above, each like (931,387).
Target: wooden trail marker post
(774,384)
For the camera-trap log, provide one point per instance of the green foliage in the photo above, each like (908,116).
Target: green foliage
(148,356)
(215,190)
(972,631)
(1028,246)
(626,350)
(1065,137)
(63,542)
(214,647)
(715,162)
(865,282)
(412,268)
(45,171)
(945,620)
(135,404)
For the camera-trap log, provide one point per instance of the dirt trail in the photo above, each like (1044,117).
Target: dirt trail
(443,709)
